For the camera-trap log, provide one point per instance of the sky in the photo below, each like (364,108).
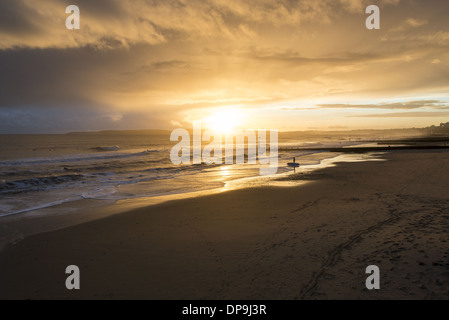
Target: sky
(264,64)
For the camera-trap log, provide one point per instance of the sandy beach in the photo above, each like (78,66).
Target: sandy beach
(311,241)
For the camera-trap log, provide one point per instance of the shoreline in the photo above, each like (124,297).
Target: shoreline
(300,242)
(17,227)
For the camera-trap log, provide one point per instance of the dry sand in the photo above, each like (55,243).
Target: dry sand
(307,242)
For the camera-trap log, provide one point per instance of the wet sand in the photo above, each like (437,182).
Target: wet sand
(311,241)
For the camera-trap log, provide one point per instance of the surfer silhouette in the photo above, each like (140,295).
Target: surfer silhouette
(293,164)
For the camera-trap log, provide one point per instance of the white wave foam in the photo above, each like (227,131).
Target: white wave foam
(103,193)
(43,206)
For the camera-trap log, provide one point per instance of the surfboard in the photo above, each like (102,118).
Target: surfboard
(293,164)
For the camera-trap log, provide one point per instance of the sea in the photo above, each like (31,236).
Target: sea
(62,173)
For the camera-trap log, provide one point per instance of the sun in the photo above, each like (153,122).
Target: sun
(224,121)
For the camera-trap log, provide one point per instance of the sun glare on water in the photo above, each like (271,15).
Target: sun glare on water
(224,121)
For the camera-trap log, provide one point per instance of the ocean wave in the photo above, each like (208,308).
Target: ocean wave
(34,184)
(113,148)
(74,158)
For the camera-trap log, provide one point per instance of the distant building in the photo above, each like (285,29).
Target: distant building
(443,128)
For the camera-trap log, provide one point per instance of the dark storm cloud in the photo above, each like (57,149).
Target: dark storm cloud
(48,77)
(175,65)
(77,118)
(14,18)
